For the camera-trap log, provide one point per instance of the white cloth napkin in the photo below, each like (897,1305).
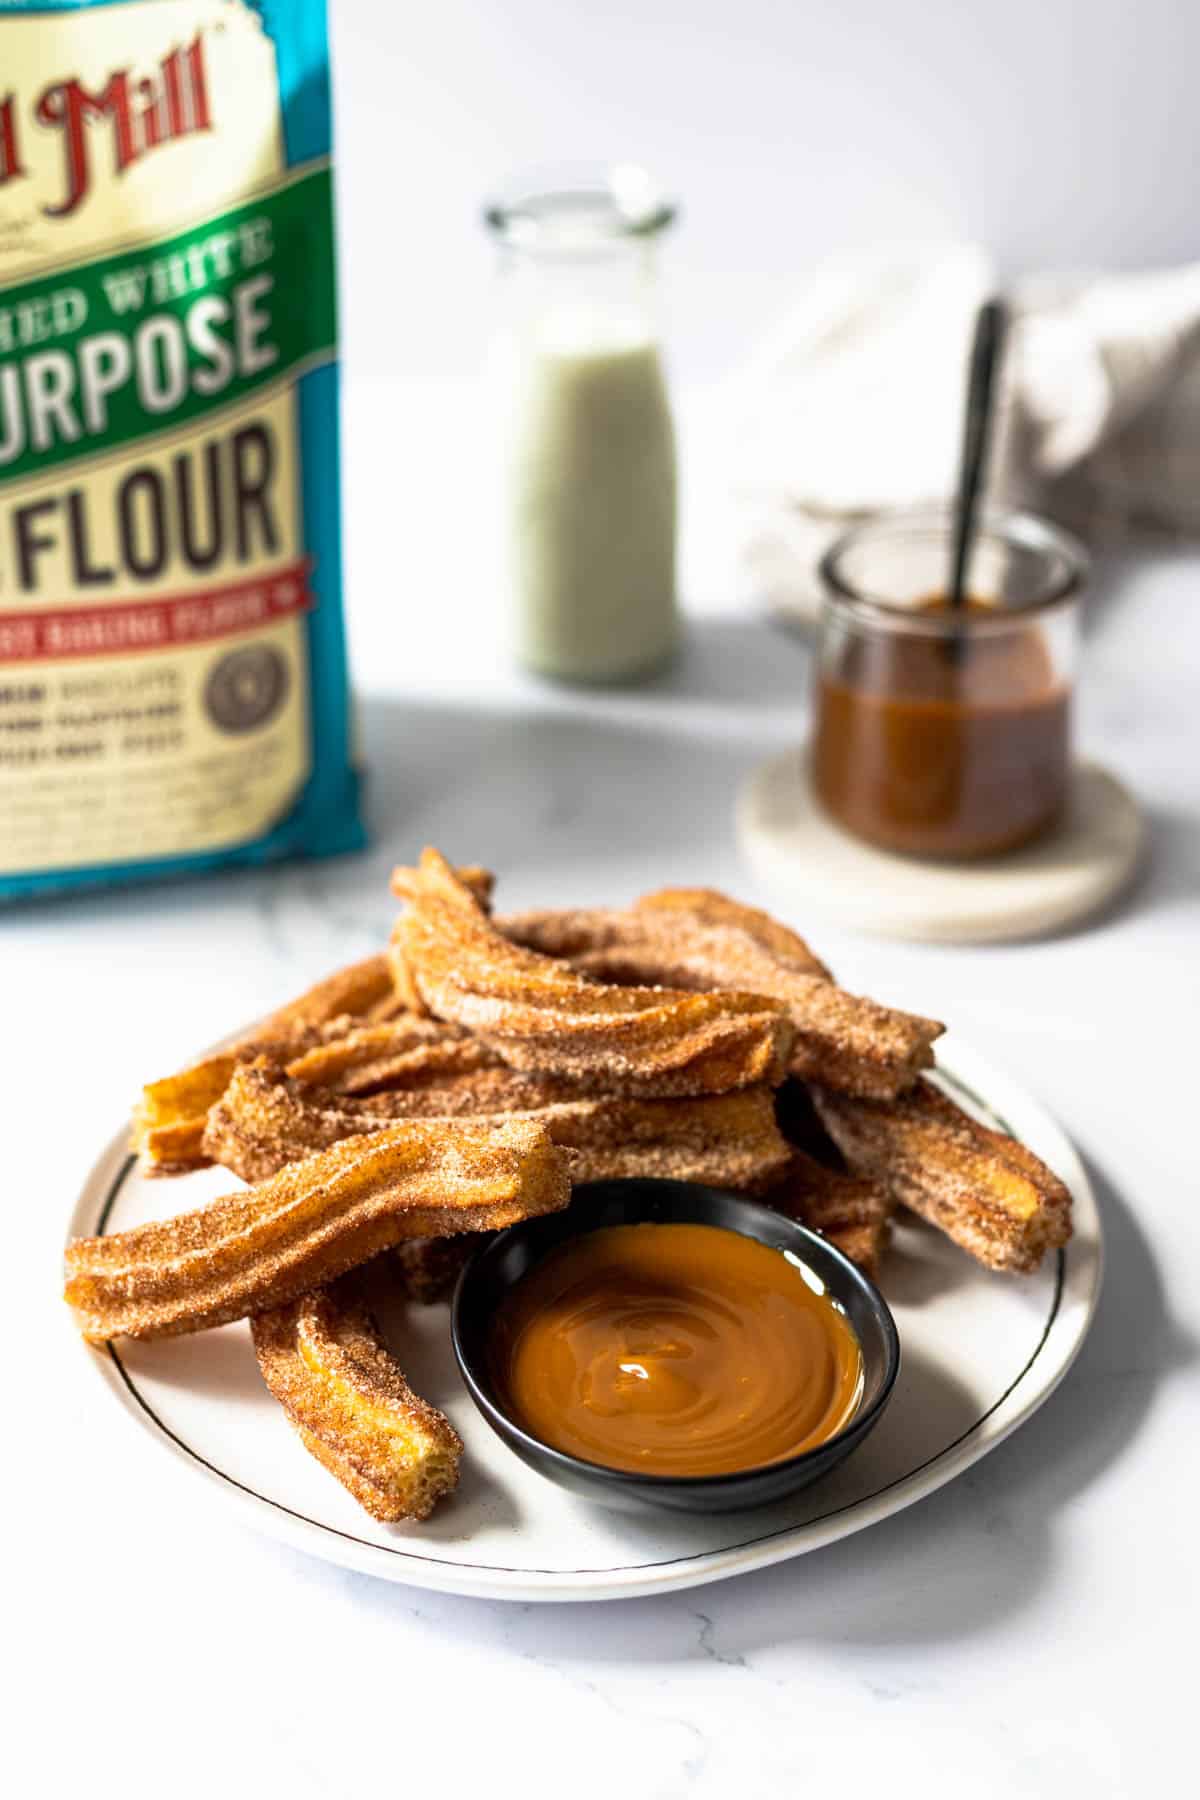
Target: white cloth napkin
(854,404)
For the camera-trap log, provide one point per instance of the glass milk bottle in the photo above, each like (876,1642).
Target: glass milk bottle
(588,447)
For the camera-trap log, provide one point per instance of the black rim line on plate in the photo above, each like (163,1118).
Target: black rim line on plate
(698,1556)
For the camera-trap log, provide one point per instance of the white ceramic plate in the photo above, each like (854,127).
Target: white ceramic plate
(980,1354)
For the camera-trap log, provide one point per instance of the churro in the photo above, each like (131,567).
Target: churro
(265,1120)
(324,1361)
(168,1122)
(853,1213)
(694,938)
(404,1053)
(311,1222)
(987,1192)
(539,1014)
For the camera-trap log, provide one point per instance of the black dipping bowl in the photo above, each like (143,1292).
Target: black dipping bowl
(501,1264)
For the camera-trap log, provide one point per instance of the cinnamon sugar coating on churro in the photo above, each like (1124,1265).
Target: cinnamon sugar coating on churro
(322,1358)
(541,1015)
(708,907)
(404,1053)
(266,1120)
(987,1192)
(168,1122)
(313,1221)
(695,938)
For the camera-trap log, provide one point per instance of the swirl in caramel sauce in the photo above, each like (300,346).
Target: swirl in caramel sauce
(675,1350)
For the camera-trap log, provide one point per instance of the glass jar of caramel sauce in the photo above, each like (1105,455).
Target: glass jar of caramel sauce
(945,731)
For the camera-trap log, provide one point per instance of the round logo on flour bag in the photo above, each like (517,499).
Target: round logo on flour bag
(246,688)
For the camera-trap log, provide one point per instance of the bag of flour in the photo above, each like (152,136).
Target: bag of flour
(172,663)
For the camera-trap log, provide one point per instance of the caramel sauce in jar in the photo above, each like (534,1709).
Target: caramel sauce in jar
(675,1349)
(951,744)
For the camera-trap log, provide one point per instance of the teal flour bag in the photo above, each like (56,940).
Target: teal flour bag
(172,664)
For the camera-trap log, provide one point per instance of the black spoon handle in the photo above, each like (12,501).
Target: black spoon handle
(977,430)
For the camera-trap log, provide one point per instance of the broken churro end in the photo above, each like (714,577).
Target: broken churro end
(990,1194)
(323,1359)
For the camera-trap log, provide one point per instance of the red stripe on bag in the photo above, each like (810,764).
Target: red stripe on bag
(127,626)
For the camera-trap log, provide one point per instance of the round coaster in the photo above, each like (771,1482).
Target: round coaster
(794,845)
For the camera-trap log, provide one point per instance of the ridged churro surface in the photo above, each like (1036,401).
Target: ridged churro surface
(169,1119)
(541,1015)
(266,1120)
(313,1221)
(694,938)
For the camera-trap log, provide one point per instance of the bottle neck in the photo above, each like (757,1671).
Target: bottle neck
(603,298)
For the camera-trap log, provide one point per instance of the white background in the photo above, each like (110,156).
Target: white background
(1027,1631)
(1062,133)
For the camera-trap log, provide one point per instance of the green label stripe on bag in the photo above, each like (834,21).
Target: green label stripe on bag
(112,351)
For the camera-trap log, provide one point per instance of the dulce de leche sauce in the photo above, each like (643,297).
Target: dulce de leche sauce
(943,745)
(674,1350)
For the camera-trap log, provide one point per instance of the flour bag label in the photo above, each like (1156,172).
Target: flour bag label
(172,664)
